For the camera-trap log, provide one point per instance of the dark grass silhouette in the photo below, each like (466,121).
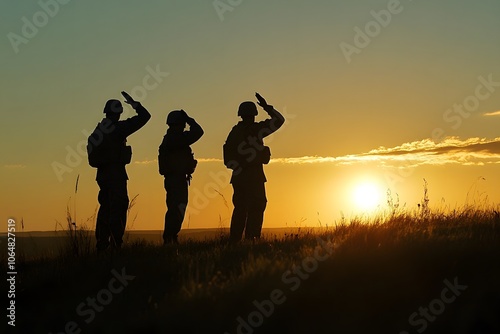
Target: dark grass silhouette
(381,272)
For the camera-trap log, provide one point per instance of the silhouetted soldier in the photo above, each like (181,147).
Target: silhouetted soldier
(176,163)
(108,152)
(245,154)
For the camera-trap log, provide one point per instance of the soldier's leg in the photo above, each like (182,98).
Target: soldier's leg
(257,206)
(239,217)
(102,231)
(118,211)
(177,198)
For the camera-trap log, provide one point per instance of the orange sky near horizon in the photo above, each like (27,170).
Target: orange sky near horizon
(373,99)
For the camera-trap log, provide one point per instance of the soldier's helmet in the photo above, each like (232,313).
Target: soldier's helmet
(113,107)
(176,117)
(247,108)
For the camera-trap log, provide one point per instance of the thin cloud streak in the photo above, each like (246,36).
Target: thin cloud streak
(209,160)
(155,161)
(495,113)
(14,166)
(451,151)
(145,162)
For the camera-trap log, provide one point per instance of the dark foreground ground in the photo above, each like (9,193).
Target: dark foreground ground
(435,274)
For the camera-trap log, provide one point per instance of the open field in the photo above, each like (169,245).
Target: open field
(51,243)
(404,273)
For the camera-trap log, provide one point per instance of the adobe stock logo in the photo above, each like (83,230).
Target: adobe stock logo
(293,278)
(372,29)
(88,309)
(436,307)
(30,28)
(222,6)
(455,115)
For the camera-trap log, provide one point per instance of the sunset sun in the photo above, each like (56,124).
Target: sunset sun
(366,196)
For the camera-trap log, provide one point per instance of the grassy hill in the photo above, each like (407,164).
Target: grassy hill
(400,273)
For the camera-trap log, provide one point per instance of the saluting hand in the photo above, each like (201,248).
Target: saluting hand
(188,119)
(262,102)
(130,100)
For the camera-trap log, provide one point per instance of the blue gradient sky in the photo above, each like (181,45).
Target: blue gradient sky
(395,91)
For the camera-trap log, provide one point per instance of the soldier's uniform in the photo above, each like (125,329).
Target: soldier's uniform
(112,178)
(176,148)
(248,178)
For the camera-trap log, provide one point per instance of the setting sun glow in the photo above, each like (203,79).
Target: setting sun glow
(366,196)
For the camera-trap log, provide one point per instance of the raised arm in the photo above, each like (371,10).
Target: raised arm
(195,131)
(276,121)
(136,122)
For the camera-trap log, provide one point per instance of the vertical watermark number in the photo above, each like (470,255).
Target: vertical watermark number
(11,272)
